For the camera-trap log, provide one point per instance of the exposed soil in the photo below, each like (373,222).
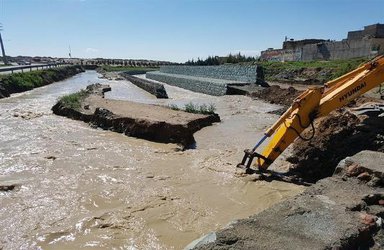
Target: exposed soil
(274,94)
(307,76)
(151,122)
(277,95)
(340,134)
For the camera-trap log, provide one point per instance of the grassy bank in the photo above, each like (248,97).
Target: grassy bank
(196,109)
(317,71)
(19,82)
(73,101)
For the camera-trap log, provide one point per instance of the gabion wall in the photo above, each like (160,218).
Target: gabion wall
(241,73)
(212,80)
(153,88)
(196,84)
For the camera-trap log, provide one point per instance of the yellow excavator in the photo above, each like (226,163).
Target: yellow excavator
(311,104)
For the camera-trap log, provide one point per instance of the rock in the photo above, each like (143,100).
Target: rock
(3,92)
(51,157)
(368,219)
(7,186)
(328,215)
(211,237)
(364,176)
(353,170)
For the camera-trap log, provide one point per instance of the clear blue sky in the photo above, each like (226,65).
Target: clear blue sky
(175,30)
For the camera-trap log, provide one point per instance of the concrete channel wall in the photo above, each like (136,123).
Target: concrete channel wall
(212,80)
(153,88)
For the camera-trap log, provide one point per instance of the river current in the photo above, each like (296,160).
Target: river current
(80,187)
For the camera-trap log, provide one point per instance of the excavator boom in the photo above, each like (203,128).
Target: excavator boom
(311,104)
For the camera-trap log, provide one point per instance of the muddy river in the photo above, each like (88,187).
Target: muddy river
(81,187)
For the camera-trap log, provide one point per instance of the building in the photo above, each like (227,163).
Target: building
(368,42)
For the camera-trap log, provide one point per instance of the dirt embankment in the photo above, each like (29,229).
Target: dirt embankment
(20,82)
(307,76)
(277,95)
(342,133)
(150,122)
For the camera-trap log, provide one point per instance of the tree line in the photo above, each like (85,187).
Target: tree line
(217,60)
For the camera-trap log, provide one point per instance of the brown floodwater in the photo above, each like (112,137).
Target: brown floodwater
(81,187)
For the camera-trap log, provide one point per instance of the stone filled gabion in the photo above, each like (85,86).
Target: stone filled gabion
(202,85)
(241,73)
(212,80)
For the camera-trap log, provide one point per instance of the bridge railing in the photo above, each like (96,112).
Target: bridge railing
(30,67)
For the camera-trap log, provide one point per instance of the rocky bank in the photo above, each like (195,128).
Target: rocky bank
(345,211)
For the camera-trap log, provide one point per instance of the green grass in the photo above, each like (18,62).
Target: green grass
(196,109)
(328,69)
(23,81)
(74,100)
(19,82)
(127,68)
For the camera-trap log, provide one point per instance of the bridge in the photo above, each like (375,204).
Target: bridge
(22,68)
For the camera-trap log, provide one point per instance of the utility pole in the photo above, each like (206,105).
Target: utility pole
(2,47)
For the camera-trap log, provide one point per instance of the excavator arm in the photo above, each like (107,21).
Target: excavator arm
(311,104)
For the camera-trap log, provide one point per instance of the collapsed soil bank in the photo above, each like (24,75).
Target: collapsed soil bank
(150,122)
(20,82)
(342,133)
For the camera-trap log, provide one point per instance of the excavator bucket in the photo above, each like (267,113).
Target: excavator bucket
(249,155)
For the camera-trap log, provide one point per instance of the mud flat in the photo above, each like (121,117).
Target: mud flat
(344,211)
(150,122)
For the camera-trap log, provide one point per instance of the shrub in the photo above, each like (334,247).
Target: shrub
(74,100)
(202,109)
(174,107)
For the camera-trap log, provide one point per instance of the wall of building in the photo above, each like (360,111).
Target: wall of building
(360,43)
(337,50)
(374,30)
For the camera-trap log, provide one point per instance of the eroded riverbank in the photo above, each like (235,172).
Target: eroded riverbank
(81,187)
(151,122)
